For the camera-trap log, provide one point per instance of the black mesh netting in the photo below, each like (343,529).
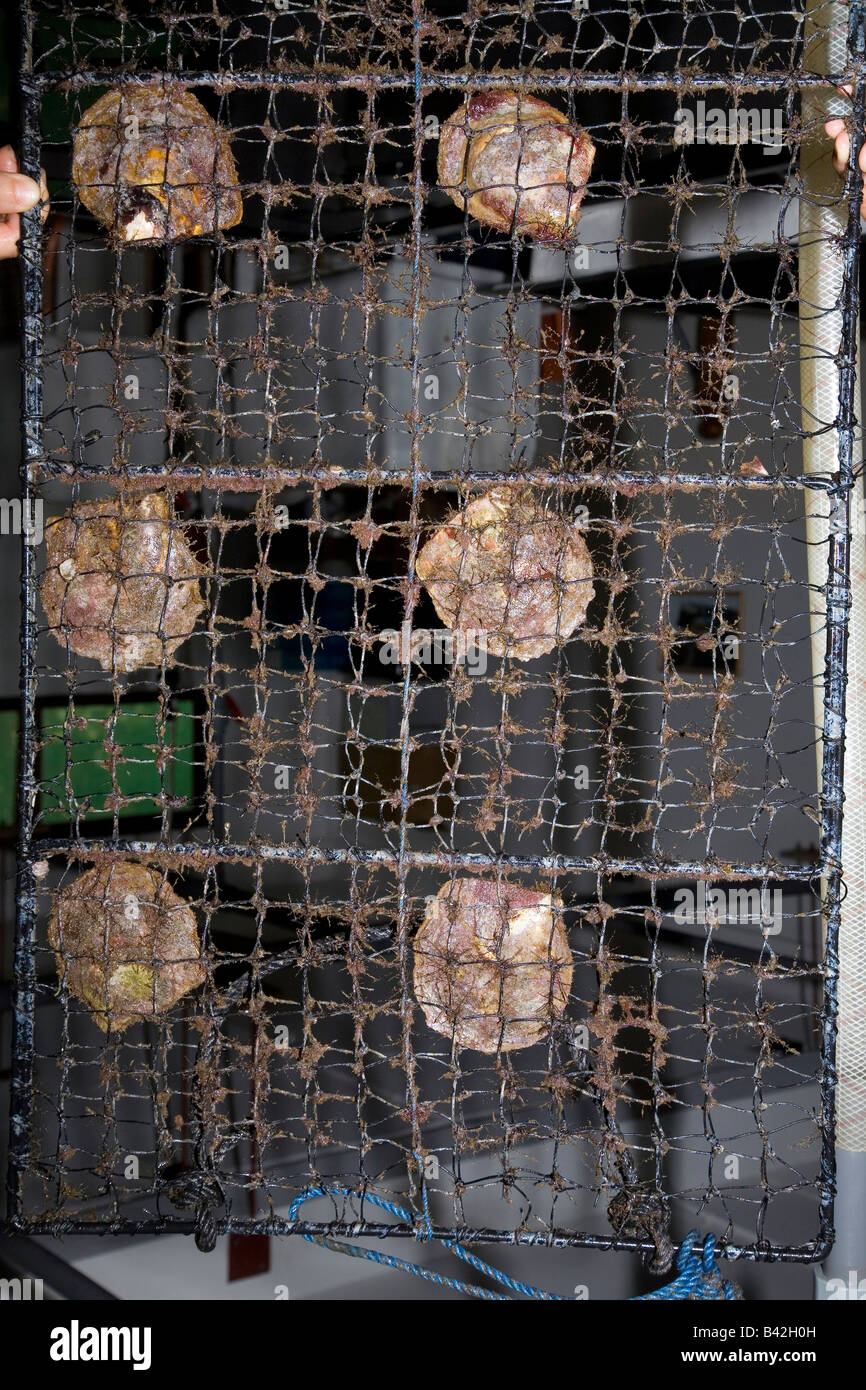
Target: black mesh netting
(314,393)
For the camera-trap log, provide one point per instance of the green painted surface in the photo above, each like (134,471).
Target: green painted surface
(133,729)
(114,752)
(8,767)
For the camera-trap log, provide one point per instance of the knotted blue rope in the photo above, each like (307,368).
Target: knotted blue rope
(699,1277)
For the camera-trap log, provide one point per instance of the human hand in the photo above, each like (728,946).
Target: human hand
(17,194)
(837,129)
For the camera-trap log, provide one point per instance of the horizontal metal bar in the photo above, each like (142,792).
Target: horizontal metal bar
(244,479)
(219,853)
(429,80)
(811,1253)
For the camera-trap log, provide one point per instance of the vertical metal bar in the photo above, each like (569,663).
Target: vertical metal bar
(846,607)
(415,1173)
(32,340)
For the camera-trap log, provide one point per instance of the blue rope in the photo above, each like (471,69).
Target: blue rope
(377,1256)
(699,1277)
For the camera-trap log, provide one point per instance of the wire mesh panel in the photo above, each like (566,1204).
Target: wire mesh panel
(297,774)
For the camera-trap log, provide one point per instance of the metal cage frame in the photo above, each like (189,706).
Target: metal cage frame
(417,83)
